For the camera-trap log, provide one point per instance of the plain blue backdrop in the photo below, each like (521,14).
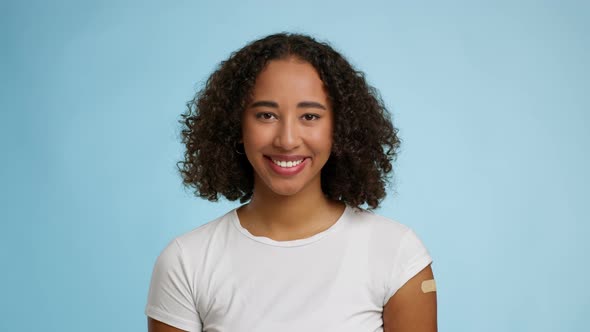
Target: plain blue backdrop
(491,99)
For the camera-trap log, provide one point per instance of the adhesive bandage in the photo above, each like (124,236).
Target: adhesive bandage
(428,286)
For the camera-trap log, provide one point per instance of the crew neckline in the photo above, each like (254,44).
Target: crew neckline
(290,243)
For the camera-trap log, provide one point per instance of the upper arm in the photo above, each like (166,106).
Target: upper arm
(171,296)
(410,309)
(157,326)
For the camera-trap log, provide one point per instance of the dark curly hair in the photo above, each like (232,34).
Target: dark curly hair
(364,140)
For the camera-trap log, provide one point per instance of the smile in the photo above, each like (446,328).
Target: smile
(287,164)
(287,168)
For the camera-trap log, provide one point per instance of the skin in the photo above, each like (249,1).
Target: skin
(290,114)
(157,326)
(409,309)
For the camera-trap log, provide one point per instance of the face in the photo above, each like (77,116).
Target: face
(287,128)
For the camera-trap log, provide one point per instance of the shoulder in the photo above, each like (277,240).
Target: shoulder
(202,236)
(189,246)
(387,239)
(184,257)
(392,251)
(380,227)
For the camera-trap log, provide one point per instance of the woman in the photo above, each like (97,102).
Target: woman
(288,126)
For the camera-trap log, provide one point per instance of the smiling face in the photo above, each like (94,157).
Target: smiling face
(287,128)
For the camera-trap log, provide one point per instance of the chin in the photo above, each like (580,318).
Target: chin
(286,191)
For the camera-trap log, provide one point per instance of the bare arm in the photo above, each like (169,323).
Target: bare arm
(410,309)
(157,326)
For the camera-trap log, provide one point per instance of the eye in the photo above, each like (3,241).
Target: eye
(311,117)
(265,116)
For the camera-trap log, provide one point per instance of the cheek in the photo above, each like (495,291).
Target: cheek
(248,132)
(323,136)
(254,137)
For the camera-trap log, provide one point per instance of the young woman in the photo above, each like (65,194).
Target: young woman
(288,127)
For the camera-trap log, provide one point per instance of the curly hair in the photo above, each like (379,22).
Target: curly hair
(365,142)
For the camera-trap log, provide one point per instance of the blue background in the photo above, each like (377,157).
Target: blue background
(491,98)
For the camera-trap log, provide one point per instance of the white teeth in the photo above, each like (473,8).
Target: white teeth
(287,164)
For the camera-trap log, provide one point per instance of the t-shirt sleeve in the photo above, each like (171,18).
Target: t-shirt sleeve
(170,298)
(411,257)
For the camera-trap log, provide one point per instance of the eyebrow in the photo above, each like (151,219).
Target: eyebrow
(303,104)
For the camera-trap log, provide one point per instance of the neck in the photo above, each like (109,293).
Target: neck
(290,217)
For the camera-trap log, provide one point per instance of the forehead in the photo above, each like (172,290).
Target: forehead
(290,76)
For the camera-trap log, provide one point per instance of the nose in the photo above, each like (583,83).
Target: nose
(287,136)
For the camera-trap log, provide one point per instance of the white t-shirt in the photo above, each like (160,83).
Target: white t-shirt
(221,278)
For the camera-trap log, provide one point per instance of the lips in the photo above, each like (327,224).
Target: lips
(287,168)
